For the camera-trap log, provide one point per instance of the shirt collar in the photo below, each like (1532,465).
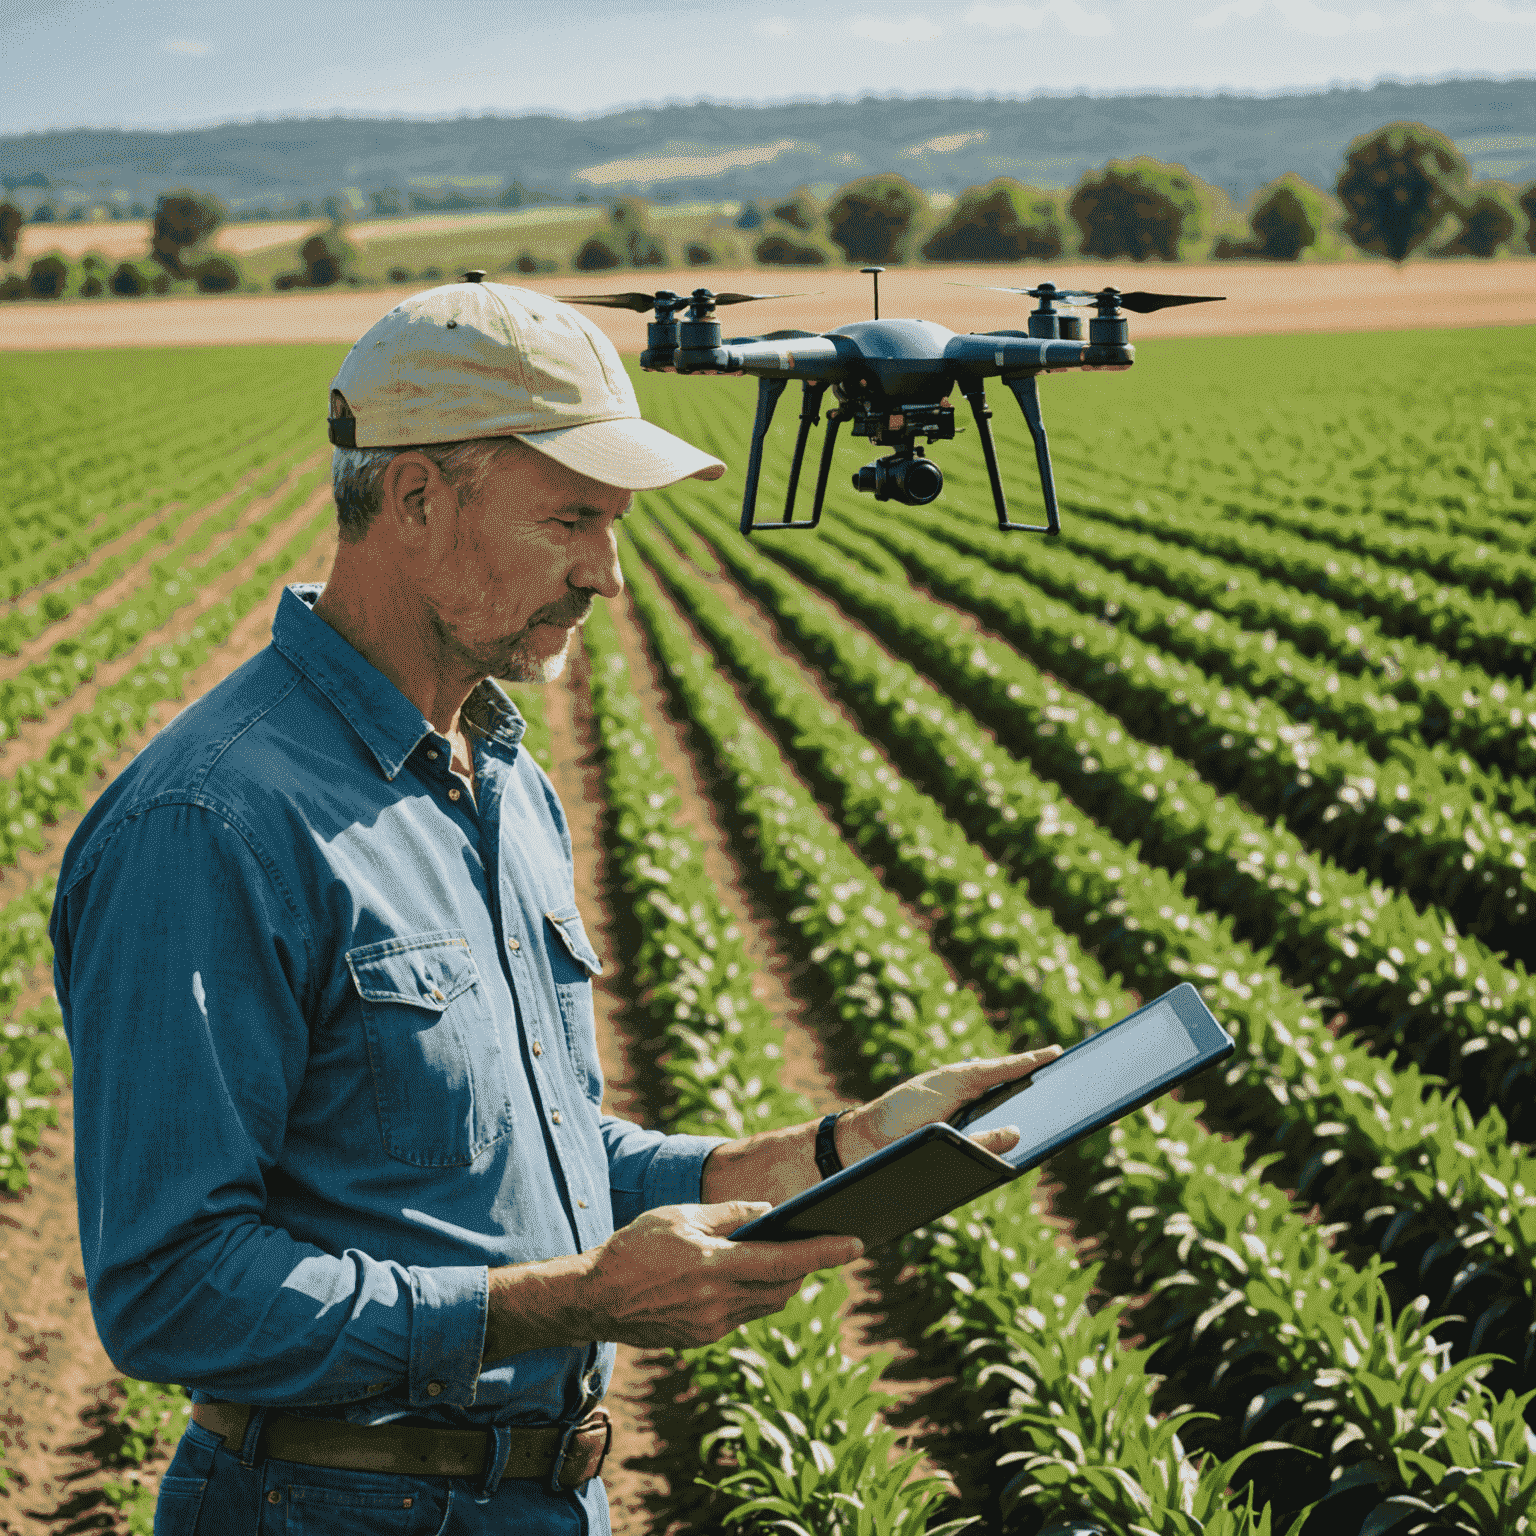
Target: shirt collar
(389,724)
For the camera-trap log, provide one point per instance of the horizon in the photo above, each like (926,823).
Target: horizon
(849,99)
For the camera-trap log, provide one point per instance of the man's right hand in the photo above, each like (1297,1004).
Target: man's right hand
(671,1279)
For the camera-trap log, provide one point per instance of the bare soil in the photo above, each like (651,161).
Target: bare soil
(128,239)
(1261,298)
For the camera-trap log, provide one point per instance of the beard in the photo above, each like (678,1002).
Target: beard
(516,657)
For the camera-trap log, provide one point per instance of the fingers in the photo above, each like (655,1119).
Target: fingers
(978,1076)
(724,1218)
(999,1140)
(777,1264)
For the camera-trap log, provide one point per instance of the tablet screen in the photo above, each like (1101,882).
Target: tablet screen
(1105,1072)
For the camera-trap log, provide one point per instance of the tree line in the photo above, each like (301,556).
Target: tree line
(1400,189)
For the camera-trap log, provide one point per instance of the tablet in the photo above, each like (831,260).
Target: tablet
(938,1167)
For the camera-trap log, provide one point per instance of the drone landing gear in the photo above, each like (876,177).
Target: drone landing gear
(768,392)
(904,476)
(1027,394)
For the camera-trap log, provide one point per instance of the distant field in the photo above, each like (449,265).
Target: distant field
(1261,299)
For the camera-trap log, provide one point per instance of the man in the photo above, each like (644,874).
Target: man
(341,1161)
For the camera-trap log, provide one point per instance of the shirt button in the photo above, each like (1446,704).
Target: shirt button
(594,1382)
(556,1117)
(274,1497)
(433,754)
(433,1388)
(582,1204)
(513,945)
(453,794)
(538,1050)
(438,995)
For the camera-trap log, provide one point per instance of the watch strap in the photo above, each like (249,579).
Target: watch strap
(827,1160)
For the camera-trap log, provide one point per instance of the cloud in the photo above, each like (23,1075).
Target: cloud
(1497,14)
(187,45)
(1059,15)
(777,27)
(1296,15)
(895,29)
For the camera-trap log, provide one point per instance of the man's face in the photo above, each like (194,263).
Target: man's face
(509,576)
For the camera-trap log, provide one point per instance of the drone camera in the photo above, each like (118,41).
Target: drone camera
(906,477)
(896,426)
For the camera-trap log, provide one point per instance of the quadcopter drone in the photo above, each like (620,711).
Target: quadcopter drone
(891,380)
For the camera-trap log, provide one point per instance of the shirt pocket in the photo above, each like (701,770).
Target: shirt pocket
(439,1077)
(574,963)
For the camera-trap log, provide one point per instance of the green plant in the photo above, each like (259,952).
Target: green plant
(876,218)
(1138,208)
(1002,221)
(1397,184)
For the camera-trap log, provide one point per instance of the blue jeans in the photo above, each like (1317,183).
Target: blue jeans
(209,1490)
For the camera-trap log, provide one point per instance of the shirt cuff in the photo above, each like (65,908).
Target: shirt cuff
(676,1173)
(449,1308)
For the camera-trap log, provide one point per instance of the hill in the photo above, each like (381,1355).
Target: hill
(707,149)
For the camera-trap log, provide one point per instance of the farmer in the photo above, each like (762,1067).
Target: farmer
(341,1160)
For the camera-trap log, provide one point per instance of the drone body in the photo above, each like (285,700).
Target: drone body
(891,381)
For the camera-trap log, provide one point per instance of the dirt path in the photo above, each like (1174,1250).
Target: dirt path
(1364,295)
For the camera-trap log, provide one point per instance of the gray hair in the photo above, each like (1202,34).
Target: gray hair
(357,476)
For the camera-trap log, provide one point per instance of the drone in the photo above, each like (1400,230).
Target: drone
(891,380)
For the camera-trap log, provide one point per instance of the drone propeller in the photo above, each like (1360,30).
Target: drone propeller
(1137,303)
(741,341)
(640,302)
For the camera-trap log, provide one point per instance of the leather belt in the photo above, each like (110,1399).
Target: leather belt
(559,1456)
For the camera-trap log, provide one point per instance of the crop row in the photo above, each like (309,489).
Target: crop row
(876,967)
(172,584)
(1453,1005)
(1495,634)
(41,790)
(1398,819)
(1492,719)
(867,798)
(32,613)
(1308,691)
(1379,1152)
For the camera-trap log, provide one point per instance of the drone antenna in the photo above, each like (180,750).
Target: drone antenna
(874,273)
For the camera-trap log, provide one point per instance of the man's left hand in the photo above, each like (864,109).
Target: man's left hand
(934,1095)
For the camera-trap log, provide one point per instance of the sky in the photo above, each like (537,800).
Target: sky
(129,63)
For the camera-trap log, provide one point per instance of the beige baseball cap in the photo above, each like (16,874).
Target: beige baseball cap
(478,359)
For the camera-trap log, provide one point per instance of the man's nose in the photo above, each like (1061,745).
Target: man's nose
(597,565)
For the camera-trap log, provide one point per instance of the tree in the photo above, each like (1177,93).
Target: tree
(749,217)
(875,218)
(326,258)
(386,202)
(630,220)
(599,253)
(799,210)
(48,276)
(127,281)
(10,229)
(43,214)
(785,248)
(1528,207)
(218,274)
(1137,208)
(1489,217)
(1396,185)
(1002,221)
(1288,216)
(515,195)
(183,221)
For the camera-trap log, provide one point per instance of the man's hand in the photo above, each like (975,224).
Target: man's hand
(935,1095)
(671,1279)
(674,1279)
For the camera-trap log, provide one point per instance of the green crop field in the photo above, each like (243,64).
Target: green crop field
(1262,718)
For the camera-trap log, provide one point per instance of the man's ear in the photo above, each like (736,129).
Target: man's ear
(407,481)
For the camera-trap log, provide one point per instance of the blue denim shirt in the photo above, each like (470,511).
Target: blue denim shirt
(334,1052)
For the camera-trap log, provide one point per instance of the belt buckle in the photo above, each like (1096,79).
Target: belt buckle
(606,1419)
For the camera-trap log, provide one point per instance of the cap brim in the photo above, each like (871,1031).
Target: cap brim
(630,454)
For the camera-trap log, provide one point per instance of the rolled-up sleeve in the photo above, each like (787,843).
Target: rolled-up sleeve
(183,967)
(648,1168)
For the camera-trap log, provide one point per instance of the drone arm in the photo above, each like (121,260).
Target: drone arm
(1028,396)
(768,392)
(813,357)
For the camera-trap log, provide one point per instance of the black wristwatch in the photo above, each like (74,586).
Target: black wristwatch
(827,1159)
